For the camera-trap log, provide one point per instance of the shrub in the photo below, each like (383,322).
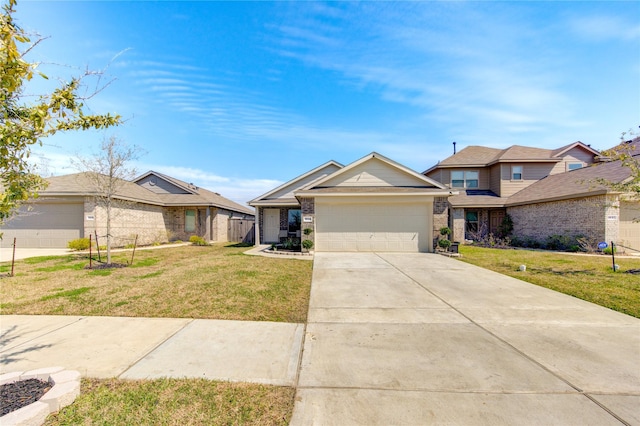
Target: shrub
(308,231)
(197,241)
(79,244)
(445,244)
(608,250)
(307,244)
(493,242)
(506,226)
(445,230)
(291,243)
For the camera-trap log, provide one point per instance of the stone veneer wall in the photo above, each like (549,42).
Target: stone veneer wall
(593,217)
(457,231)
(440,217)
(308,208)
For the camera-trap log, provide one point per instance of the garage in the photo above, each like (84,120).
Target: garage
(374,224)
(629,231)
(45,226)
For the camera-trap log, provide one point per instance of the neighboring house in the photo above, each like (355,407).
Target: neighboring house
(155,207)
(372,204)
(546,192)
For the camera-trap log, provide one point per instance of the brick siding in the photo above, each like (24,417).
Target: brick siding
(585,216)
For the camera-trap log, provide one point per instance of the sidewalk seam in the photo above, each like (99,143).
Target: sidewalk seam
(154,348)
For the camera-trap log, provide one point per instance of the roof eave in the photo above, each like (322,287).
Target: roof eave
(561,197)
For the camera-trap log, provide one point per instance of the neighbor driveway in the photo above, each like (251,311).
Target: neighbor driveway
(424,339)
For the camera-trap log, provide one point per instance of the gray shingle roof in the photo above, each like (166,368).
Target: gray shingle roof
(581,182)
(480,156)
(198,196)
(82,184)
(477,198)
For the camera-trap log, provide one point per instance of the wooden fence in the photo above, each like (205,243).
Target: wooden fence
(241,231)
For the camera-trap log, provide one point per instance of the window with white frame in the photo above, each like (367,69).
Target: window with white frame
(574,166)
(516,172)
(189,220)
(464,179)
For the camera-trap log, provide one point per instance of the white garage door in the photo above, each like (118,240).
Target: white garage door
(45,226)
(373,226)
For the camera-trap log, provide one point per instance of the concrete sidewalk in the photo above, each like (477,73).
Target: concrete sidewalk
(140,348)
(423,339)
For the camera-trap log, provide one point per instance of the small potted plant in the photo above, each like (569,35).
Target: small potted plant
(444,244)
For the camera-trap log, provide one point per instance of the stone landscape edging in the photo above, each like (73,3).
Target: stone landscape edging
(65,388)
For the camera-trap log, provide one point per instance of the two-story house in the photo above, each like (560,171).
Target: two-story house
(487,177)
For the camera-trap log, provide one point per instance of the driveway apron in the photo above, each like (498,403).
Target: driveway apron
(397,338)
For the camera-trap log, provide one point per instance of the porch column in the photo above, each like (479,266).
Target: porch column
(207,232)
(256,226)
(458,225)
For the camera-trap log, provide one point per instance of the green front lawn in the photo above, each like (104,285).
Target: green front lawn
(217,281)
(589,278)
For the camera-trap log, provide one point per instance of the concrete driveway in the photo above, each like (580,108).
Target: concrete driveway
(423,339)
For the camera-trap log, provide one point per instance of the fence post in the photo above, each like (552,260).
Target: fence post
(90,251)
(98,246)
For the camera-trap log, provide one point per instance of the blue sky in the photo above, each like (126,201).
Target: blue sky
(239,97)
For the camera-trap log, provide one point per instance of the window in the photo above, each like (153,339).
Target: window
(189,221)
(294,220)
(471,224)
(464,179)
(516,173)
(574,166)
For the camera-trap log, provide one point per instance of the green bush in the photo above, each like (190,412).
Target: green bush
(445,230)
(79,244)
(445,244)
(506,226)
(307,244)
(197,241)
(608,250)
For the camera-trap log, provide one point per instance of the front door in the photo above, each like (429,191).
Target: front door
(495,219)
(271,225)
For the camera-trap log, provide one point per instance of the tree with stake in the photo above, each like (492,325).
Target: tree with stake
(23,124)
(108,172)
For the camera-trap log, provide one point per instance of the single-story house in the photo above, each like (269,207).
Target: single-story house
(372,204)
(155,207)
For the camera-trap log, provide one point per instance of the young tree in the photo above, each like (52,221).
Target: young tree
(108,172)
(24,124)
(628,153)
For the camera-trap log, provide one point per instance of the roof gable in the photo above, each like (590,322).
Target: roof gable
(161,184)
(286,190)
(565,149)
(375,170)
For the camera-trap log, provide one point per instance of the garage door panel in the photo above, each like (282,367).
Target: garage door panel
(46,226)
(362,226)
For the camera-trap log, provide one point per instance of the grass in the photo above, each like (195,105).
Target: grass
(176,402)
(589,278)
(216,281)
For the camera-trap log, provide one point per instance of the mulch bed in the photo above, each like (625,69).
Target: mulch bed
(107,265)
(14,396)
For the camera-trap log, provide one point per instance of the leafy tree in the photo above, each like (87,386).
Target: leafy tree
(108,172)
(628,153)
(23,124)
